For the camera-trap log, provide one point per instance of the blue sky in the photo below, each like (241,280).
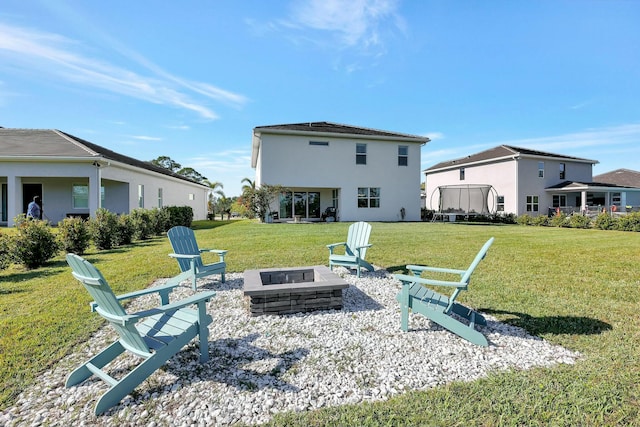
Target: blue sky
(191,79)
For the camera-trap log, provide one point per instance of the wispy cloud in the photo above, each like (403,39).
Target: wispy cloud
(360,25)
(58,57)
(145,138)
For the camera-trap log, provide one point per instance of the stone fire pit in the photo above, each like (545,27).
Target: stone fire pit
(293,290)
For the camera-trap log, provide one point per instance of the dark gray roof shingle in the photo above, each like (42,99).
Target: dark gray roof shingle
(52,143)
(500,152)
(328,127)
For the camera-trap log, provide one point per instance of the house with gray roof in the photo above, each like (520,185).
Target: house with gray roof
(75,177)
(530,182)
(364,174)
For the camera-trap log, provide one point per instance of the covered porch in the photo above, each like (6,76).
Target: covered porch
(592,198)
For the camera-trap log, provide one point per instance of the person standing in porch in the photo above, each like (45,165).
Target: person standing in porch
(34,210)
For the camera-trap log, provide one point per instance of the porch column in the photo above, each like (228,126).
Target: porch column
(583,201)
(14,198)
(95,181)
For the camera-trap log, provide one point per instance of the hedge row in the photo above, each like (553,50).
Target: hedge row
(35,242)
(604,221)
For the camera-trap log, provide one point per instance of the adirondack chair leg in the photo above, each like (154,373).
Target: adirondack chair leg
(222,277)
(404,307)
(140,373)
(100,360)
(465,331)
(203,332)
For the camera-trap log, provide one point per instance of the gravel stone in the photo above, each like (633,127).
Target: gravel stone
(260,366)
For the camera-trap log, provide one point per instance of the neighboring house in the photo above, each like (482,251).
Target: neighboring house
(621,177)
(76,177)
(530,181)
(366,174)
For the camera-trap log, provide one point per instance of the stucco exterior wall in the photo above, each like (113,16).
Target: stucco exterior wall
(121,187)
(291,161)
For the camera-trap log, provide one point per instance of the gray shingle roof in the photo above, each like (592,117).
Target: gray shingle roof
(52,143)
(502,151)
(336,128)
(624,177)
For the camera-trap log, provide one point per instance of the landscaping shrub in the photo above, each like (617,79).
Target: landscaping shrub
(525,219)
(125,229)
(179,215)
(579,221)
(559,220)
(103,229)
(141,220)
(604,221)
(34,243)
(159,220)
(74,235)
(629,222)
(5,251)
(540,220)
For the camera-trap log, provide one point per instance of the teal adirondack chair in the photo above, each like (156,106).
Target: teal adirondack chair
(188,255)
(355,248)
(153,335)
(415,296)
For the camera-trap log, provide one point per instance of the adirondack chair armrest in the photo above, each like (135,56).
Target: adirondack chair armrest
(185,256)
(221,253)
(405,279)
(332,246)
(198,298)
(417,269)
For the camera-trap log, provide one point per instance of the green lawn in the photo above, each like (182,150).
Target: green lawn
(576,288)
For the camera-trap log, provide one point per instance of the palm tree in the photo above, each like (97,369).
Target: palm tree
(214,188)
(250,185)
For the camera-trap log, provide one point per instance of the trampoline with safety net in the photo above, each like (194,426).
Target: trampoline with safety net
(468,200)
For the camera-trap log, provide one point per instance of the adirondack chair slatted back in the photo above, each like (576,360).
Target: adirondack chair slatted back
(358,236)
(183,241)
(107,304)
(479,257)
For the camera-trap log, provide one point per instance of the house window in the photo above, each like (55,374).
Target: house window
(403,155)
(540,169)
(532,203)
(500,204)
(334,198)
(461,174)
(369,197)
(192,196)
(319,143)
(559,200)
(562,169)
(361,154)
(159,197)
(140,196)
(80,196)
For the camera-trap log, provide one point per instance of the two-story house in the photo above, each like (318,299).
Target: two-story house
(365,174)
(528,181)
(76,177)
